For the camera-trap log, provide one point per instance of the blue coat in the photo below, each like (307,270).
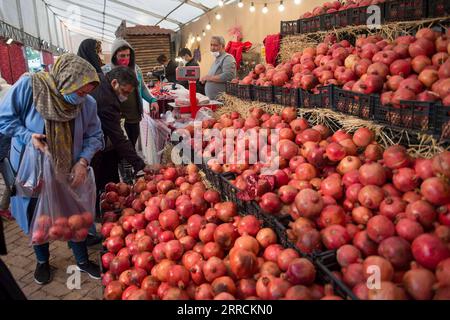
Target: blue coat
(19,119)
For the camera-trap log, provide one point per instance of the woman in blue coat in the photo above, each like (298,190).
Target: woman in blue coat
(53,110)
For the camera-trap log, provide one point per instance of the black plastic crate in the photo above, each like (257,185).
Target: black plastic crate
(289,27)
(352,103)
(438,8)
(312,24)
(322,99)
(442,121)
(245,92)
(325,264)
(231,88)
(263,94)
(413,115)
(401,10)
(329,21)
(212,177)
(286,96)
(342,18)
(357,16)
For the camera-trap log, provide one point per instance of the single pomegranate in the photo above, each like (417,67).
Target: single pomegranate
(428,250)
(397,251)
(380,228)
(418,283)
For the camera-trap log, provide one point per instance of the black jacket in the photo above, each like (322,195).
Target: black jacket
(108,110)
(170,71)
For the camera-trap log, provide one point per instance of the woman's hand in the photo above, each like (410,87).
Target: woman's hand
(38,141)
(79,173)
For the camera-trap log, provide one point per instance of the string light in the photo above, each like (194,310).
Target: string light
(218,16)
(265,9)
(208,26)
(9,41)
(220,3)
(204,33)
(281,7)
(240,4)
(199,38)
(252,7)
(297,1)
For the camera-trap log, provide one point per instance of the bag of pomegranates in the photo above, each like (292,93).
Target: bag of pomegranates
(62,212)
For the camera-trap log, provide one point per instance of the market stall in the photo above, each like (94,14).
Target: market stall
(322,173)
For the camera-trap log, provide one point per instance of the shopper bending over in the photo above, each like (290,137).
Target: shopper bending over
(222,70)
(114,87)
(131,108)
(53,109)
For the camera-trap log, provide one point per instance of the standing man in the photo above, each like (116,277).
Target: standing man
(222,70)
(169,68)
(189,61)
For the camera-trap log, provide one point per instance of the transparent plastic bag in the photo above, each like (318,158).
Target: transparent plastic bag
(62,212)
(154,138)
(28,181)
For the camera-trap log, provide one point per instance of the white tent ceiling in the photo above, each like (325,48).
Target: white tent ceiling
(102,17)
(65,23)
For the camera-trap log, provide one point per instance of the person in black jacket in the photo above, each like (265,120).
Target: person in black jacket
(89,51)
(169,70)
(114,88)
(189,61)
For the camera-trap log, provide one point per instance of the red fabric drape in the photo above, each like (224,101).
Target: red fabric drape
(47,58)
(4,62)
(272,45)
(12,62)
(236,48)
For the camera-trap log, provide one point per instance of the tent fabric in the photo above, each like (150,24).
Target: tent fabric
(13,65)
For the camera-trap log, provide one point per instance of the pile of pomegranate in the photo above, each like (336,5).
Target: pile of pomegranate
(179,241)
(409,68)
(345,192)
(330,7)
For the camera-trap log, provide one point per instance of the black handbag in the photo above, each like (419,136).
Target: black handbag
(9,174)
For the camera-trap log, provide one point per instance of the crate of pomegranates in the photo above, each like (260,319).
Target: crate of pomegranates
(286,96)
(442,121)
(231,88)
(245,91)
(321,97)
(312,24)
(356,104)
(329,21)
(358,16)
(406,114)
(290,27)
(263,94)
(438,8)
(401,10)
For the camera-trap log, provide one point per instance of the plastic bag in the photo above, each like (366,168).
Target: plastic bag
(28,181)
(62,212)
(154,136)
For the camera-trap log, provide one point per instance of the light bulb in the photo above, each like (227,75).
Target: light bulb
(252,7)
(297,1)
(240,4)
(208,26)
(265,9)
(10,40)
(281,7)
(220,3)
(218,16)
(204,33)
(199,38)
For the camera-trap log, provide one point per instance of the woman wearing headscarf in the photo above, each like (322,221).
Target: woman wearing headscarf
(53,110)
(89,51)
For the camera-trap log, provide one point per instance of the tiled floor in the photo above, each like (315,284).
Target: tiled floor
(21,262)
